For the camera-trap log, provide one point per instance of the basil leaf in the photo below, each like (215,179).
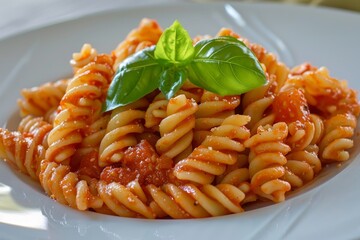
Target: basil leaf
(137,76)
(175,46)
(225,66)
(171,81)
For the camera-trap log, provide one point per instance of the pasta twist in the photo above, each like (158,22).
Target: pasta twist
(216,152)
(301,69)
(176,129)
(271,63)
(125,122)
(238,175)
(191,91)
(38,101)
(303,163)
(24,148)
(242,162)
(267,160)
(300,135)
(147,34)
(339,130)
(256,104)
(156,111)
(86,157)
(301,167)
(212,111)
(326,94)
(81,105)
(126,201)
(86,55)
(318,128)
(228,32)
(67,188)
(187,201)
(95,132)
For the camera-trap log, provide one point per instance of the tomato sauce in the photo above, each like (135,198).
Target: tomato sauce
(88,165)
(140,163)
(291,106)
(336,100)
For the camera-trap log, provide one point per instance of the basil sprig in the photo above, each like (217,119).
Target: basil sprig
(223,65)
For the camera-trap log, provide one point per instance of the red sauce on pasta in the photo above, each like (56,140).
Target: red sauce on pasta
(142,163)
(291,106)
(88,165)
(301,69)
(336,100)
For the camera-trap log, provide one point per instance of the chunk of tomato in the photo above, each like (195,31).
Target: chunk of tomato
(291,106)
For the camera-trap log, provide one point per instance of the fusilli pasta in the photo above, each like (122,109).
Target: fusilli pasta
(195,155)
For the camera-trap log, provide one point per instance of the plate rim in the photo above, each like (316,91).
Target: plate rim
(169,4)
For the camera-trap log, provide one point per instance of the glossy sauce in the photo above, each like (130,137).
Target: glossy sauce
(291,106)
(88,165)
(342,101)
(140,163)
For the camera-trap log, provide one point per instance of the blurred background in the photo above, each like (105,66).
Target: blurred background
(17,15)
(352,5)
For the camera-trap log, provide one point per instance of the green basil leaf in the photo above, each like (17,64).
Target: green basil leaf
(175,46)
(137,76)
(225,66)
(171,81)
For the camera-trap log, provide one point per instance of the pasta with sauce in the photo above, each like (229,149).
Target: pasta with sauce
(195,155)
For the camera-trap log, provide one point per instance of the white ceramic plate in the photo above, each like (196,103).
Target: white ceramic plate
(329,208)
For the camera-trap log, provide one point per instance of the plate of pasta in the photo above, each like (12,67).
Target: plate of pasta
(235,123)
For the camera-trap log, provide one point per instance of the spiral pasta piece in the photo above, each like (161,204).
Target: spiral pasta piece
(185,201)
(301,167)
(146,34)
(272,65)
(212,111)
(25,148)
(81,105)
(67,188)
(95,132)
(85,159)
(86,55)
(256,104)
(303,163)
(318,128)
(267,160)
(191,91)
(216,152)
(38,101)
(242,162)
(156,111)
(300,135)
(339,130)
(20,152)
(125,122)
(326,94)
(188,200)
(176,129)
(126,201)
(238,175)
